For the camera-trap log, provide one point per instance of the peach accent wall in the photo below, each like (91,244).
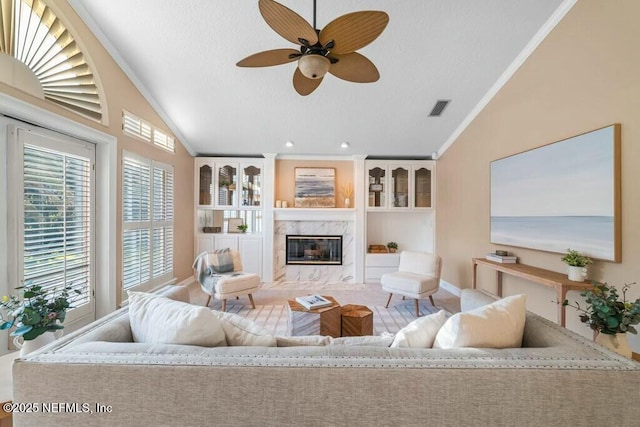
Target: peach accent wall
(583,76)
(285,177)
(120,93)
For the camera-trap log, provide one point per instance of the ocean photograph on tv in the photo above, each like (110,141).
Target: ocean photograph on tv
(559,196)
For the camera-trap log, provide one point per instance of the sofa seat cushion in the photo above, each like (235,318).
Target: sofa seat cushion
(403,282)
(156,319)
(497,325)
(237,282)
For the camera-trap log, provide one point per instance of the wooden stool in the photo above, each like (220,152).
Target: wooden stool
(319,321)
(357,320)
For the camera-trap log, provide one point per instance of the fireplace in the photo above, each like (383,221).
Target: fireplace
(313,250)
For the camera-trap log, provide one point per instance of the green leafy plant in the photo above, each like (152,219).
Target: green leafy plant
(576,259)
(243,227)
(606,312)
(38,311)
(392,245)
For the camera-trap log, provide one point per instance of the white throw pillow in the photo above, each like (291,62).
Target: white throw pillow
(497,325)
(244,332)
(421,332)
(156,319)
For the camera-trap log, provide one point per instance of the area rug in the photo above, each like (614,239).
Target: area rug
(292,285)
(274,317)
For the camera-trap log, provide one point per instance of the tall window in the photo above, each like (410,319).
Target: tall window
(147,206)
(55,227)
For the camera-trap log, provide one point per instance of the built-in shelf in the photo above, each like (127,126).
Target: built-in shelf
(314,214)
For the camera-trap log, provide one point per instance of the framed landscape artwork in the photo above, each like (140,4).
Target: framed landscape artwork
(315,188)
(560,196)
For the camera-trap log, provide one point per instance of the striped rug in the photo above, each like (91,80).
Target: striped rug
(274,317)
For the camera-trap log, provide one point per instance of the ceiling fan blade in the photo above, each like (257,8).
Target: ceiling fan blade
(286,22)
(269,58)
(303,85)
(354,67)
(353,31)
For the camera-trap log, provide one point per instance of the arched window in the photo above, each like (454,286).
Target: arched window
(31,33)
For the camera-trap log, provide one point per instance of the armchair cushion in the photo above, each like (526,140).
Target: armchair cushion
(408,283)
(221,261)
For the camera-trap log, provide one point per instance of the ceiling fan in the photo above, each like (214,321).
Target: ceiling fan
(333,49)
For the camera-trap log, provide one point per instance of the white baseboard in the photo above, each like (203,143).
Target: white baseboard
(188,281)
(450,288)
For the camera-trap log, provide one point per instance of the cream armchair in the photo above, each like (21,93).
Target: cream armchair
(220,275)
(418,277)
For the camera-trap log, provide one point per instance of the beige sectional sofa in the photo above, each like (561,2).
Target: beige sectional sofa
(557,379)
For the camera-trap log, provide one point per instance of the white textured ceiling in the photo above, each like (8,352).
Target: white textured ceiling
(182,55)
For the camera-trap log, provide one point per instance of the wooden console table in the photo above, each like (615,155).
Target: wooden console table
(552,279)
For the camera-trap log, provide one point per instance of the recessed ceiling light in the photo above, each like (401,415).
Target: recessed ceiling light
(288,144)
(344,144)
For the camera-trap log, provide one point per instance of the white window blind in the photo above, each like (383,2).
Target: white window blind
(135,126)
(163,140)
(147,207)
(57,223)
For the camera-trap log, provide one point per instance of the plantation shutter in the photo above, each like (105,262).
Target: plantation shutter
(57,222)
(136,204)
(147,206)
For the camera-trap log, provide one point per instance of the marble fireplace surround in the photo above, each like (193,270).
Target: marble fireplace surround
(319,273)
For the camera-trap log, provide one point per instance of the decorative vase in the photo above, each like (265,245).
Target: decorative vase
(29,346)
(347,202)
(617,343)
(577,274)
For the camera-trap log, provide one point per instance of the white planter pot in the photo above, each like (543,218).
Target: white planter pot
(30,346)
(577,274)
(617,343)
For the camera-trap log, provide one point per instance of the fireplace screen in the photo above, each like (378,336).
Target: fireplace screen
(314,250)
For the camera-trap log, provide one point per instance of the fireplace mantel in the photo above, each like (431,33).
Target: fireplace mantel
(317,214)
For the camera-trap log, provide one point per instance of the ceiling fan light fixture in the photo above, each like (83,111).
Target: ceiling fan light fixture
(314,66)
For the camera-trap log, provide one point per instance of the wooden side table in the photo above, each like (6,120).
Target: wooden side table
(320,321)
(552,279)
(357,320)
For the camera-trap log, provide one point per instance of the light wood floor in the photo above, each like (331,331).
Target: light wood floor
(372,294)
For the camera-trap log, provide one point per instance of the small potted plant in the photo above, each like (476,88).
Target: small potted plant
(393,247)
(36,316)
(577,263)
(609,316)
(243,228)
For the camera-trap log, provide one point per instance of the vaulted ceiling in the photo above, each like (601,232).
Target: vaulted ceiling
(182,56)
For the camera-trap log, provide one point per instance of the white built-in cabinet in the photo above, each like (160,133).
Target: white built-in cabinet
(399,207)
(229,191)
(399,185)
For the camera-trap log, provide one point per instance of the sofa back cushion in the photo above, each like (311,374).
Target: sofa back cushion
(497,325)
(160,320)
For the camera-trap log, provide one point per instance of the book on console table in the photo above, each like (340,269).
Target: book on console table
(505,259)
(311,302)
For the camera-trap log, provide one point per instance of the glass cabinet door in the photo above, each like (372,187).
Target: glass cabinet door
(422,196)
(400,187)
(206,186)
(377,188)
(227,185)
(251,186)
